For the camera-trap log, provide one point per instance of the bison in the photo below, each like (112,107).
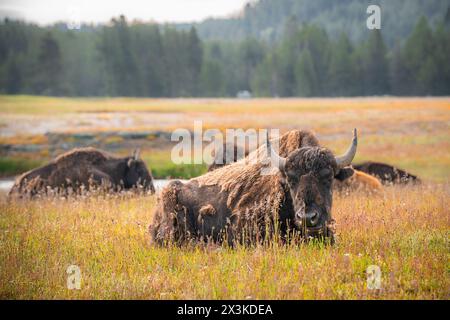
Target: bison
(237,203)
(359,181)
(386,173)
(85,168)
(351,180)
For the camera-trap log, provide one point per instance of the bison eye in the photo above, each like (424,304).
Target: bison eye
(325,173)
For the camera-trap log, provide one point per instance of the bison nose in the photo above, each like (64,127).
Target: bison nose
(312,218)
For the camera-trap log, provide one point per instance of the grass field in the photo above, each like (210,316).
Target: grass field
(51,105)
(404,230)
(412,133)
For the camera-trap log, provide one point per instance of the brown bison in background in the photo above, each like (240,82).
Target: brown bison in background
(294,139)
(358,181)
(237,203)
(386,173)
(85,168)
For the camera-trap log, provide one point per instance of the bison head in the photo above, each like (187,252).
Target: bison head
(308,173)
(137,173)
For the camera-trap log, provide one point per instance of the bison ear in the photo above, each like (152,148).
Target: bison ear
(344,173)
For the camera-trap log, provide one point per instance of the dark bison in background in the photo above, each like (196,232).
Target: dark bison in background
(386,173)
(237,203)
(85,167)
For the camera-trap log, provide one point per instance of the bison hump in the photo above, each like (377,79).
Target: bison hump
(82,155)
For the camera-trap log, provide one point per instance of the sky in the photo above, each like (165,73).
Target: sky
(50,11)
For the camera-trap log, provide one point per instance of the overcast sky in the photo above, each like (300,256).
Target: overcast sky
(49,11)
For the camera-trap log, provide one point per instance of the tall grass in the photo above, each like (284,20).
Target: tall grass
(404,231)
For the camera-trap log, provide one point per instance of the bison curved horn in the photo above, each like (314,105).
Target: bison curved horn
(347,158)
(136,154)
(275,158)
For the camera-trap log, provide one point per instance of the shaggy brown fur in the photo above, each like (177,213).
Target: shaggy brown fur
(239,199)
(289,142)
(84,167)
(205,207)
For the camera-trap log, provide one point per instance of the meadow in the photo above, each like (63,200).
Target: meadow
(412,133)
(404,230)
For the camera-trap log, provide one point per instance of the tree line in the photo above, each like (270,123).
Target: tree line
(264,19)
(139,59)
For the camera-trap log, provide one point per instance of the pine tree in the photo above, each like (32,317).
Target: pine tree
(441,54)
(194,62)
(306,77)
(399,79)
(341,73)
(418,55)
(251,54)
(14,78)
(212,79)
(49,69)
(375,65)
(315,41)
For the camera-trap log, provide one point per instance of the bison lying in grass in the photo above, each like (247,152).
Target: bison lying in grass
(386,173)
(352,180)
(237,203)
(294,139)
(85,168)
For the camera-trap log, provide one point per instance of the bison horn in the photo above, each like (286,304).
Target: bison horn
(136,154)
(347,158)
(275,158)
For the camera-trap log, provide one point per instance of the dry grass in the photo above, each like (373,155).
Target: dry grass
(405,232)
(411,133)
(50,105)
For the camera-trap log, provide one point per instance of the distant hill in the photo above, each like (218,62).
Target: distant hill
(265,19)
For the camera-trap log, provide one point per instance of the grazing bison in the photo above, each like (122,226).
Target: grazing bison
(238,203)
(85,167)
(387,173)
